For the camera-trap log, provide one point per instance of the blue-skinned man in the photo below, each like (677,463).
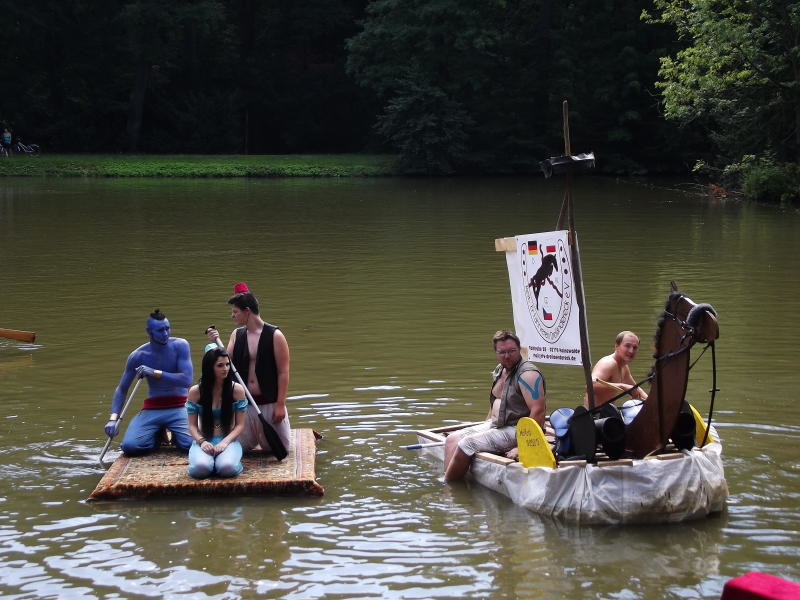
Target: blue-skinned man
(167,364)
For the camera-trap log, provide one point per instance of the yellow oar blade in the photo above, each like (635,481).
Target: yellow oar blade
(15,334)
(700,428)
(534,451)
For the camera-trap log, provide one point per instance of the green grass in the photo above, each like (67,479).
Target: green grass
(131,165)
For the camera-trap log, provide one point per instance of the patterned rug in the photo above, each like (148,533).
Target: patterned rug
(163,473)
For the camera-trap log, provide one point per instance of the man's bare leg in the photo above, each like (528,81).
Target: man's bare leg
(458,467)
(450,446)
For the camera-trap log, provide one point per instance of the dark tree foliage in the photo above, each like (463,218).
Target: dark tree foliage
(201,76)
(482,81)
(451,85)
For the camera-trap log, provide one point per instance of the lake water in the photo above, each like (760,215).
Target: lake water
(388,291)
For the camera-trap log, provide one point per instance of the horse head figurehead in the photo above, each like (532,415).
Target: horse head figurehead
(680,326)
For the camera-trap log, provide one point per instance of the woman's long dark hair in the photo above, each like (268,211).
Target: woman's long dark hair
(206,385)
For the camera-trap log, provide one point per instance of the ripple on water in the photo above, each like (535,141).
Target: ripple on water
(366,547)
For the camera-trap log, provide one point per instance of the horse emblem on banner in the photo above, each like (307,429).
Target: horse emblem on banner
(547,282)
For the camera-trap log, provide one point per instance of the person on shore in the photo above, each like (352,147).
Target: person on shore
(612,374)
(5,141)
(216,407)
(260,353)
(166,363)
(518,390)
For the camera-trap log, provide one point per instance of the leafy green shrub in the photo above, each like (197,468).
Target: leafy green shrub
(766,180)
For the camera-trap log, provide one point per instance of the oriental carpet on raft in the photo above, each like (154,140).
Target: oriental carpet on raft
(163,473)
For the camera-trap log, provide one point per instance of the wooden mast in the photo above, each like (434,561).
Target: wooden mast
(566,220)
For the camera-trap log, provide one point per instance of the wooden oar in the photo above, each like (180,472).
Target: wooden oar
(275,443)
(119,420)
(614,386)
(15,334)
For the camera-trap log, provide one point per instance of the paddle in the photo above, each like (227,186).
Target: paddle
(534,451)
(119,419)
(15,334)
(278,449)
(701,432)
(420,446)
(614,386)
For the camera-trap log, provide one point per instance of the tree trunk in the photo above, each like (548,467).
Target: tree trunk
(247,29)
(136,105)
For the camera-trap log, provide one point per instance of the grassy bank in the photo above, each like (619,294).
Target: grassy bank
(129,165)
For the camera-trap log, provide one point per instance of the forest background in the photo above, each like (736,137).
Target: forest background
(449,86)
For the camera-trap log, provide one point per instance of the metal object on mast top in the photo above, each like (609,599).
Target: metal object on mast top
(567,164)
(558,165)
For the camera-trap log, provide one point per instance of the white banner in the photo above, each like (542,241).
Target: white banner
(543,297)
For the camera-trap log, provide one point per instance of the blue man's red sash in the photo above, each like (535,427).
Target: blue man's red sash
(158,402)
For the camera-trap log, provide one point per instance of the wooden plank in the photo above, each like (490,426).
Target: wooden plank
(622,462)
(508,244)
(494,458)
(429,435)
(16,334)
(672,456)
(449,428)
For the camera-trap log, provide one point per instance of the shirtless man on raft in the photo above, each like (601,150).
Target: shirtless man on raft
(611,374)
(260,353)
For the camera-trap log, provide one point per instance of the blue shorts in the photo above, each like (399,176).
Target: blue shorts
(142,434)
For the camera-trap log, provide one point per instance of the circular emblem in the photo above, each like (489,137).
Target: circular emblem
(547,285)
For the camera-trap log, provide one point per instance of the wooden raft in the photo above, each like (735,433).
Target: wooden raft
(163,473)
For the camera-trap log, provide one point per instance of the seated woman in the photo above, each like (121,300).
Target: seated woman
(216,409)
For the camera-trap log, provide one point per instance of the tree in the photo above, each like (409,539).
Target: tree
(479,83)
(738,75)
(155,31)
(430,62)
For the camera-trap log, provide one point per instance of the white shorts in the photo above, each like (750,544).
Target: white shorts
(252,435)
(485,438)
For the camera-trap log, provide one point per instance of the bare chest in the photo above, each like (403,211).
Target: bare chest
(497,390)
(253,338)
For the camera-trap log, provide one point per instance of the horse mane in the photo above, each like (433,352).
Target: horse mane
(662,318)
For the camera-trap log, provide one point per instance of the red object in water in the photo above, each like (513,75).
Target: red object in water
(760,586)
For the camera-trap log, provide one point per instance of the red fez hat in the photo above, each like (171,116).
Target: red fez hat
(240,287)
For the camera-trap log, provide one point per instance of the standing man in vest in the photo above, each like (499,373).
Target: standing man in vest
(260,353)
(518,391)
(167,364)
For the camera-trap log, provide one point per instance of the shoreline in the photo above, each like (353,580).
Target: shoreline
(194,165)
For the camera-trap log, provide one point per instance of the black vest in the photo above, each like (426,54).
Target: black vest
(266,368)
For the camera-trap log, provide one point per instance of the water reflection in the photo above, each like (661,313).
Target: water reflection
(556,560)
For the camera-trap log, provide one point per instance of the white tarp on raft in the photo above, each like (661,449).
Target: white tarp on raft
(650,490)
(543,298)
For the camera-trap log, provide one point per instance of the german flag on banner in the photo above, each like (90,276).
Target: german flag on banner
(533,247)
